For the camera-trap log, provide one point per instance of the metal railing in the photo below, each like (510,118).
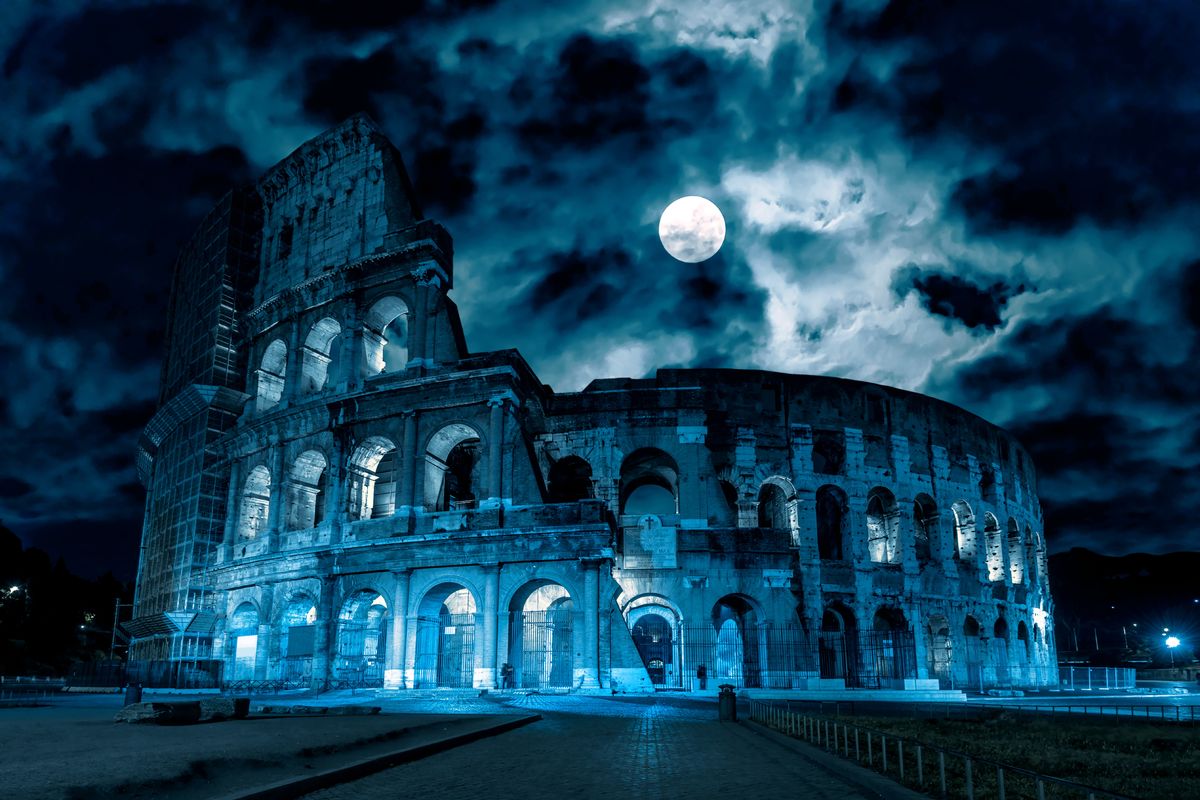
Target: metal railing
(932,769)
(1092,678)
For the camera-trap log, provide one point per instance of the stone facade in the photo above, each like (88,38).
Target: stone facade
(377,505)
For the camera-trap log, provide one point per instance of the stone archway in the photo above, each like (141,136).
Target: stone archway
(445,649)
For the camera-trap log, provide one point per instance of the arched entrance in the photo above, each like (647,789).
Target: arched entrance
(243,632)
(361,640)
(892,653)
(974,653)
(541,636)
(736,657)
(445,654)
(654,639)
(837,645)
(1000,652)
(940,651)
(298,637)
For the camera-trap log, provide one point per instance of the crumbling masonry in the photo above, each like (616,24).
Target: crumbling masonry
(341,493)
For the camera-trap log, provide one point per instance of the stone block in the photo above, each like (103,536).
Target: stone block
(216,709)
(158,713)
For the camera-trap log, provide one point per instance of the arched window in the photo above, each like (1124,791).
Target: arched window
(883,526)
(964,531)
(269,375)
(372,486)
(243,636)
(256,504)
(306,506)
(772,507)
(1016,552)
(994,541)
(925,526)
(832,506)
(385,336)
(452,463)
(570,480)
(649,481)
(318,356)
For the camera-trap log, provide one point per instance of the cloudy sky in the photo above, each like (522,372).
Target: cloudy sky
(995,204)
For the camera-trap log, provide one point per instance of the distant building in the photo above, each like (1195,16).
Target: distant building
(341,492)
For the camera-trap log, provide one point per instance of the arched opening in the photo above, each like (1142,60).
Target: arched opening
(832,508)
(243,632)
(570,480)
(1042,566)
(925,526)
(1016,552)
(772,507)
(1023,648)
(268,378)
(256,504)
(361,639)
(964,531)
(306,503)
(940,651)
(994,542)
(654,637)
(385,336)
(649,483)
(726,511)
(452,465)
(298,625)
(828,454)
(445,654)
(1031,561)
(974,652)
(737,656)
(893,654)
(1000,652)
(372,479)
(541,636)
(838,644)
(883,526)
(318,356)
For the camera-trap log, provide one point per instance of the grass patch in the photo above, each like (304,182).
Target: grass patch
(1139,759)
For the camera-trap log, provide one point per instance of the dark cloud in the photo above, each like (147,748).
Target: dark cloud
(949,295)
(11,486)
(1078,99)
(580,285)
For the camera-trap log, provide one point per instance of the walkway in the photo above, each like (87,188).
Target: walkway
(594,747)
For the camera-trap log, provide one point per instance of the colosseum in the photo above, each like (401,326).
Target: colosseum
(341,493)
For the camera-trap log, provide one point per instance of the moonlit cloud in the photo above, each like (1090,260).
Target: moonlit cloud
(993,206)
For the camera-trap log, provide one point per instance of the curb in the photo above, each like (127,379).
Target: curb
(294,787)
(865,780)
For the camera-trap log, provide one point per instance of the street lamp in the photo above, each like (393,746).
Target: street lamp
(1172,642)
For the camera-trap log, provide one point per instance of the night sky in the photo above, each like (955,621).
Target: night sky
(992,203)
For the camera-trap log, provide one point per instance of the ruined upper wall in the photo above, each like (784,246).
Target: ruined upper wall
(332,201)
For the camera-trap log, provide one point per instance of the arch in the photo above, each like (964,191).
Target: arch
(925,527)
(307,490)
(1000,651)
(893,655)
(883,526)
(372,479)
(994,542)
(243,634)
(832,506)
(445,649)
(570,480)
(1023,639)
(939,650)
(1043,569)
(452,465)
(649,483)
(541,641)
(656,627)
(270,375)
(297,634)
(1031,556)
(964,530)
(837,644)
(361,639)
(773,507)
(973,651)
(318,356)
(1016,552)
(255,509)
(737,657)
(385,336)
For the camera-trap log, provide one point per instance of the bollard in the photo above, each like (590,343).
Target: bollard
(727,703)
(133,694)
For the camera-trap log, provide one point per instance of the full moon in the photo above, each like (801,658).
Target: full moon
(692,229)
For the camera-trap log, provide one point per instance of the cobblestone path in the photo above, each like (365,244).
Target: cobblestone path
(646,749)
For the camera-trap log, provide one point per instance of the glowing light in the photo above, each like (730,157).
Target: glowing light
(692,229)
(1172,641)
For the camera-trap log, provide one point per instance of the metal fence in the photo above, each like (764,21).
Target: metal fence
(160,674)
(929,768)
(1088,678)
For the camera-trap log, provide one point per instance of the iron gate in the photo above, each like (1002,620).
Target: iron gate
(546,648)
(445,656)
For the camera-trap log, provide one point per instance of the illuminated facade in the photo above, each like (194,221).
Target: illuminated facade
(340,492)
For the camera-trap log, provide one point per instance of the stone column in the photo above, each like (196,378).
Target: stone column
(325,635)
(335,504)
(407,464)
(276,514)
(231,509)
(495,451)
(417,320)
(295,364)
(591,624)
(393,676)
(485,675)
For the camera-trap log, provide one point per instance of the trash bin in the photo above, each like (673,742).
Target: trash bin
(727,703)
(133,694)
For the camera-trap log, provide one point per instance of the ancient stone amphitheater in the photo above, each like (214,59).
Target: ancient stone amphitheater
(341,493)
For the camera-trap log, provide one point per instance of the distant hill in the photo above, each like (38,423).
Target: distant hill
(1122,604)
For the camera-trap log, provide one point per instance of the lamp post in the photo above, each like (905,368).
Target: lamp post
(1172,642)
